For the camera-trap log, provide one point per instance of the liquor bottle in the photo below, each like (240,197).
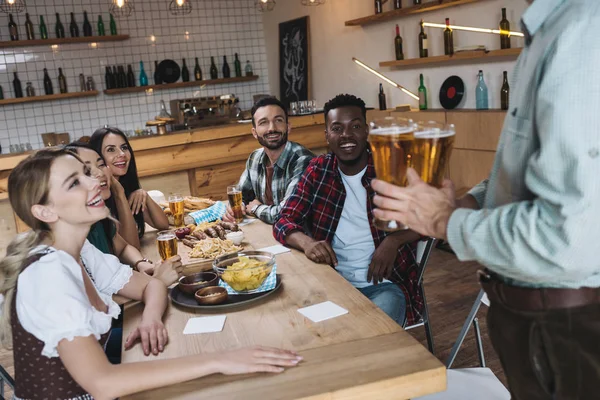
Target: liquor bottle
(504,26)
(108,78)
(185,73)
(17,86)
(423,45)
(48,88)
(481,93)
(130,76)
(73,28)
(12,28)
(197,71)
(29,90)
(29,28)
(448,39)
(398,44)
(378,6)
(226,70)
(113,26)
(62,81)
(397,4)
(143,76)
(122,77)
(248,68)
(382,102)
(504,92)
(81,83)
(1,93)
(157,77)
(43,29)
(87,27)
(237,66)
(59,28)
(90,85)
(422,94)
(214,74)
(101,31)
(115,77)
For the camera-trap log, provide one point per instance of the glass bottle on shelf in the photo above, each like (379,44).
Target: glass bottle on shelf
(29,90)
(101,31)
(226,69)
(197,71)
(422,94)
(416,2)
(113,26)
(397,4)
(398,44)
(87,27)
(29,28)
(143,76)
(157,77)
(43,29)
(185,73)
(237,66)
(481,93)
(130,76)
(62,81)
(122,77)
(382,102)
(115,76)
(448,39)
(214,74)
(423,45)
(17,86)
(81,83)
(59,28)
(13,30)
(248,68)
(1,93)
(378,6)
(504,92)
(108,78)
(504,26)
(90,85)
(73,28)
(48,88)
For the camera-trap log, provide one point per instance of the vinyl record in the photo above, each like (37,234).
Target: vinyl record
(169,71)
(452,92)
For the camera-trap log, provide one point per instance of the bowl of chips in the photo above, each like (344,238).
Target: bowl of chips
(244,271)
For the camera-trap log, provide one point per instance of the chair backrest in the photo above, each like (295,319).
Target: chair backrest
(5,378)
(424,248)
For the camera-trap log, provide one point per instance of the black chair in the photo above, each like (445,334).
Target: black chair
(5,379)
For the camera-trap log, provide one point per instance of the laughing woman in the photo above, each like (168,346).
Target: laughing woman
(114,147)
(57,290)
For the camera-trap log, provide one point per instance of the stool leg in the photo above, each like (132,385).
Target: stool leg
(478,341)
(464,330)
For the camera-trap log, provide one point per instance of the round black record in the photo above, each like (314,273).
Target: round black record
(169,71)
(452,92)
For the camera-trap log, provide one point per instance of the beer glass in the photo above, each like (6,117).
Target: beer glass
(167,244)
(234,194)
(176,207)
(431,151)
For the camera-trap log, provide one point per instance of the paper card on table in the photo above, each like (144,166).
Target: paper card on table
(322,311)
(204,325)
(277,249)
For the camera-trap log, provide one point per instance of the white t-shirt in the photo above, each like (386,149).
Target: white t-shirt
(353,242)
(51,300)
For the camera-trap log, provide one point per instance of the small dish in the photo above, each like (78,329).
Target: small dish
(235,237)
(211,295)
(192,283)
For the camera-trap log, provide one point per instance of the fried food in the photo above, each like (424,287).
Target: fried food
(213,247)
(196,203)
(246,274)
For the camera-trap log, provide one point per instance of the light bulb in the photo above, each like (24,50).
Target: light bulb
(11,2)
(120,3)
(180,2)
(264,1)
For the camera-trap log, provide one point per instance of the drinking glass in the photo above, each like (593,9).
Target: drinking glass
(176,207)
(293,108)
(167,244)
(234,194)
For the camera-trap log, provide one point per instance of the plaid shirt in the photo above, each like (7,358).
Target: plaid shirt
(317,205)
(286,173)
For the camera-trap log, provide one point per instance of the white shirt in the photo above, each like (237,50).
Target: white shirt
(353,242)
(51,300)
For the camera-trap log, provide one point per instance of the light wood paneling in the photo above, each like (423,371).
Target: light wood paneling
(469,167)
(477,130)
(457,58)
(176,182)
(437,116)
(213,181)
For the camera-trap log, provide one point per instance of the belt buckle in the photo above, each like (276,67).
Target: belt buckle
(484,276)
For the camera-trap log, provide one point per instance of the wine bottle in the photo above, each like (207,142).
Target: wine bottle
(448,39)
(59,28)
(29,90)
(62,81)
(237,66)
(214,74)
(504,27)
(12,28)
(226,70)
(87,27)
(422,94)
(17,86)
(29,28)
(81,83)
(48,88)
(1,93)
(115,77)
(122,77)
(143,76)
(101,31)
(43,29)
(157,77)
(73,28)
(197,71)
(382,102)
(481,93)
(398,44)
(504,92)
(248,68)
(378,6)
(108,78)
(185,73)
(130,76)
(423,48)
(113,26)
(397,4)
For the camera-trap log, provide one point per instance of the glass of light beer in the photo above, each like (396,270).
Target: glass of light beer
(176,207)
(431,151)
(167,244)
(234,194)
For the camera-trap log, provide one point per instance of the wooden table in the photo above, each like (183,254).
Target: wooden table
(361,355)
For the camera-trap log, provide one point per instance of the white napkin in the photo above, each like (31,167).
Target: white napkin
(277,249)
(204,324)
(322,311)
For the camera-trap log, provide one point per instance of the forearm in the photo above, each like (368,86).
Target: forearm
(127,226)
(298,240)
(154,215)
(155,299)
(402,237)
(268,214)
(468,201)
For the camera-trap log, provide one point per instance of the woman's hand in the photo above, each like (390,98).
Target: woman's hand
(116,188)
(167,271)
(137,201)
(255,359)
(153,335)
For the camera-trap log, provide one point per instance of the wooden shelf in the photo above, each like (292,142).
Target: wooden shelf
(70,40)
(462,57)
(177,85)
(50,97)
(403,12)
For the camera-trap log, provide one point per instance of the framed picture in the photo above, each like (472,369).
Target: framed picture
(294,61)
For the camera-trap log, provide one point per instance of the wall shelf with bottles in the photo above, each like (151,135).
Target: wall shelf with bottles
(456,58)
(177,85)
(50,97)
(403,12)
(69,40)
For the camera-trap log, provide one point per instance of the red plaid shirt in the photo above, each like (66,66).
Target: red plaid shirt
(316,206)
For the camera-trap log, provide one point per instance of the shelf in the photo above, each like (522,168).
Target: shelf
(70,40)
(403,12)
(50,97)
(177,85)
(462,57)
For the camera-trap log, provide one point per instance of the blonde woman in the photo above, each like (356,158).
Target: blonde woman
(57,291)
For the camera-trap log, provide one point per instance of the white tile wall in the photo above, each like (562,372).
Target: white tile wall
(214,27)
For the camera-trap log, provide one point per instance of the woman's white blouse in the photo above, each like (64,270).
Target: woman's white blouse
(51,300)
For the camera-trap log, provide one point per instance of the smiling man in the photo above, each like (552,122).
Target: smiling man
(272,171)
(329,217)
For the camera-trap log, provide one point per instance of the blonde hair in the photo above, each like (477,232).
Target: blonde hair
(28,185)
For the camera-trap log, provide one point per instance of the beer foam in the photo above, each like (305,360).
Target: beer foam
(434,133)
(392,130)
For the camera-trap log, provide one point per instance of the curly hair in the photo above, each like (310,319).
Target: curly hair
(345,100)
